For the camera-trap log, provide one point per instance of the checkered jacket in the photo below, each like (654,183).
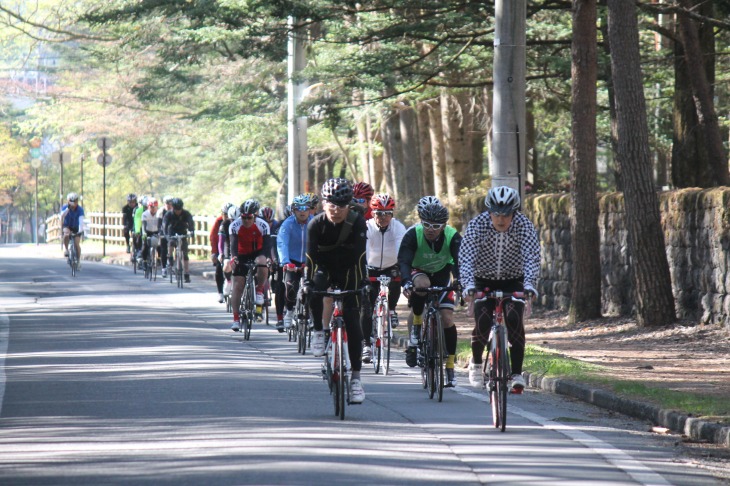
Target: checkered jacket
(488,254)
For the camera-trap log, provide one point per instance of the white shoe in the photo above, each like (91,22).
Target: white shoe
(367,354)
(164,272)
(288,318)
(357,394)
(476,375)
(318,343)
(221,298)
(235,326)
(518,383)
(259,299)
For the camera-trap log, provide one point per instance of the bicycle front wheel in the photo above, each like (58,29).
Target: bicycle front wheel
(438,355)
(179,270)
(341,373)
(430,355)
(386,347)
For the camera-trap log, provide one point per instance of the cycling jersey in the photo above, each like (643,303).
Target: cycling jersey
(247,241)
(137,216)
(128,216)
(151,223)
(291,242)
(214,234)
(383,243)
(178,225)
(72,219)
(224,239)
(492,255)
(439,256)
(323,248)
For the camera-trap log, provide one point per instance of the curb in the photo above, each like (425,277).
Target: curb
(693,428)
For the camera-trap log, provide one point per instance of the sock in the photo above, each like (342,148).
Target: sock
(450,362)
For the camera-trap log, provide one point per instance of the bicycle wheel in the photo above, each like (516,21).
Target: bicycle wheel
(152,264)
(377,346)
(179,269)
(438,356)
(386,347)
(504,376)
(341,372)
(430,355)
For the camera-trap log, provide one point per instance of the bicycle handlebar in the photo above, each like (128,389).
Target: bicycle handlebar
(434,290)
(335,293)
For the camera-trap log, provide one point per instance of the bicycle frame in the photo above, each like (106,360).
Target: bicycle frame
(151,266)
(73,257)
(382,330)
(179,266)
(247,311)
(432,343)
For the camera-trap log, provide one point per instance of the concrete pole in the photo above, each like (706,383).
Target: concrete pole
(297,174)
(508,133)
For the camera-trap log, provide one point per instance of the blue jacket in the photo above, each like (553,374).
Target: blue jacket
(291,242)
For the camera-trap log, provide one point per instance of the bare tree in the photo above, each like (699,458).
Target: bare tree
(654,301)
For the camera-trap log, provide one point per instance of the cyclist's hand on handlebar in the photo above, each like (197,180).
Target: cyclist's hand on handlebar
(408,289)
(307,286)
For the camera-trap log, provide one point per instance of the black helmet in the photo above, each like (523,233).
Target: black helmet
(502,200)
(250,206)
(431,209)
(337,191)
(177,203)
(131,197)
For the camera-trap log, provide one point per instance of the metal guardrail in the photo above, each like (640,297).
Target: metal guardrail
(94,223)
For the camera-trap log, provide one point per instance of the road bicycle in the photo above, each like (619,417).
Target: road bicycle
(432,346)
(178,266)
(150,265)
(73,257)
(337,364)
(133,253)
(247,306)
(496,370)
(300,329)
(382,331)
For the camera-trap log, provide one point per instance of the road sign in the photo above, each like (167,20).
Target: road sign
(35,153)
(104,143)
(61,157)
(35,163)
(104,160)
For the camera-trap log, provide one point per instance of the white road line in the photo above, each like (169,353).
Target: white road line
(634,468)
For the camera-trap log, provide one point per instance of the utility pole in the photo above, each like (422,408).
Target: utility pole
(508,132)
(298,165)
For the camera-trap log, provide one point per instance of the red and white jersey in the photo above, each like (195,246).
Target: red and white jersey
(250,239)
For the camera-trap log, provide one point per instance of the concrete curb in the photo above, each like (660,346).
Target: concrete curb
(694,428)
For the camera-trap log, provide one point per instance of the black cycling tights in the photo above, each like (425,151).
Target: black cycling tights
(515,331)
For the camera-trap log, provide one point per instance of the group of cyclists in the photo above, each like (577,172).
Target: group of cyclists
(143,219)
(348,236)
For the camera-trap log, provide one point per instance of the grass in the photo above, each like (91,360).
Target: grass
(553,365)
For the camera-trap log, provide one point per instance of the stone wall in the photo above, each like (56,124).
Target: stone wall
(696,233)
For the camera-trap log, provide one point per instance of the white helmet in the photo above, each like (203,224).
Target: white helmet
(502,200)
(234,212)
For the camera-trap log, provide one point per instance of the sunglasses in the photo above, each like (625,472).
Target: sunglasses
(359,200)
(247,216)
(433,226)
(383,213)
(301,208)
(336,205)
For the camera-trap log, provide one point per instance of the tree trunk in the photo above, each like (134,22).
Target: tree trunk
(487,127)
(585,302)
(654,300)
(699,82)
(392,152)
(437,147)
(478,133)
(410,170)
(457,150)
(375,159)
(424,139)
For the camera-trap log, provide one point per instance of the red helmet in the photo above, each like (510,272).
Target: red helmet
(266,213)
(382,202)
(152,203)
(362,190)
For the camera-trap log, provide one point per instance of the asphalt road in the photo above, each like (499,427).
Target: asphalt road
(110,379)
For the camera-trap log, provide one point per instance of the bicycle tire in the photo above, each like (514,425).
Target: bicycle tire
(504,373)
(386,347)
(333,376)
(248,311)
(341,372)
(429,354)
(377,346)
(179,270)
(438,363)
(152,265)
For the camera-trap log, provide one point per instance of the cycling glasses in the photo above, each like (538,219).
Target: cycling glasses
(359,200)
(300,208)
(433,226)
(247,216)
(383,213)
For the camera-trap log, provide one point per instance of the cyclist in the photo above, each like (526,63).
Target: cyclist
(224,247)
(385,234)
(128,218)
(500,251)
(314,206)
(429,256)
(214,253)
(291,245)
(267,214)
(362,193)
(336,242)
(151,225)
(137,226)
(179,221)
(72,221)
(167,201)
(249,242)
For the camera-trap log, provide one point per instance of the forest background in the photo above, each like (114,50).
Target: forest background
(194,96)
